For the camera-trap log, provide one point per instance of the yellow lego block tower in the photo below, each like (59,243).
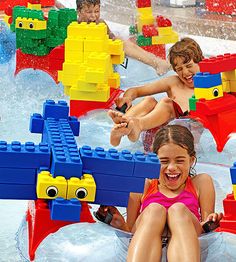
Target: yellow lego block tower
(87,73)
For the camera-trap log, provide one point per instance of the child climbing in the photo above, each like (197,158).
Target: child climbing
(184,57)
(179,202)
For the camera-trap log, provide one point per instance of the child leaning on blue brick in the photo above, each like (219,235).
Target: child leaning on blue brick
(178,206)
(89,11)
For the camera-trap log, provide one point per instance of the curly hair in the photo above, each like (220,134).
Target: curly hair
(188,49)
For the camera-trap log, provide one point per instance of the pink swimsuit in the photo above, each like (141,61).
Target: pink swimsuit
(188,197)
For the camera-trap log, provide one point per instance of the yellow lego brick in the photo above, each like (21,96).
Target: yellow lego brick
(95,44)
(96,75)
(6,19)
(114,80)
(116,47)
(165,39)
(144,20)
(229,75)
(117,59)
(71,68)
(226,85)
(232,85)
(85,86)
(76,44)
(97,30)
(83,189)
(165,30)
(234,191)
(74,56)
(144,11)
(69,80)
(34,6)
(31,24)
(209,93)
(49,187)
(77,30)
(99,60)
(102,94)
(67,90)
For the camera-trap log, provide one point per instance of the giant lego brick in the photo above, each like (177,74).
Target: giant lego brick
(17,191)
(18,176)
(206,80)
(26,155)
(233,173)
(65,210)
(55,110)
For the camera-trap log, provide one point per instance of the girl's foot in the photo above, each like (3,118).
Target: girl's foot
(115,116)
(135,129)
(117,132)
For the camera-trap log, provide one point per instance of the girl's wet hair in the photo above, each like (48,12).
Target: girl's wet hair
(188,49)
(81,3)
(175,134)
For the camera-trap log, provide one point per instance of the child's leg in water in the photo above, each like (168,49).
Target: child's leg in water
(141,109)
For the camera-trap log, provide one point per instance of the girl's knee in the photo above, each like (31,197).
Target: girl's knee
(178,211)
(154,212)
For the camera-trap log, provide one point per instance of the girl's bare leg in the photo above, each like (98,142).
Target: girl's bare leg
(146,244)
(185,229)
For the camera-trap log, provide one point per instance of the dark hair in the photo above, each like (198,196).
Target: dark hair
(81,3)
(175,134)
(188,49)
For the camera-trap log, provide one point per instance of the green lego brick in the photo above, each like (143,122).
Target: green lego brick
(144,41)
(52,18)
(66,16)
(192,103)
(133,30)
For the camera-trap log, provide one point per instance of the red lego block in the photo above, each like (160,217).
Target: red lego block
(218,115)
(227,7)
(163,21)
(79,108)
(11,3)
(228,223)
(40,224)
(57,58)
(25,61)
(149,30)
(218,64)
(143,3)
(47,2)
(158,50)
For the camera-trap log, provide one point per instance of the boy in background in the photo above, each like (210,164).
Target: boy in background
(89,11)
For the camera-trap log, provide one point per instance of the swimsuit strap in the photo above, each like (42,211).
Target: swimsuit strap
(190,187)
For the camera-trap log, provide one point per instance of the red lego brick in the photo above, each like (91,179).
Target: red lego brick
(218,64)
(228,223)
(149,31)
(227,7)
(163,21)
(143,3)
(40,224)
(79,108)
(218,115)
(158,50)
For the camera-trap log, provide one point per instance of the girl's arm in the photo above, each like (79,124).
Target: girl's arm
(133,209)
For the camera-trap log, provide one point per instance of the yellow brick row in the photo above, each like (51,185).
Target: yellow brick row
(165,39)
(34,6)
(30,24)
(48,187)
(209,93)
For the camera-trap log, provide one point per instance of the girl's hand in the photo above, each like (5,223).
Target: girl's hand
(215,217)
(120,101)
(212,222)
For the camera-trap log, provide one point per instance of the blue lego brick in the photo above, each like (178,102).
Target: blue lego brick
(58,132)
(13,191)
(58,110)
(18,176)
(146,165)
(207,80)
(65,210)
(118,183)
(111,198)
(26,155)
(107,162)
(75,125)
(66,161)
(36,124)
(233,174)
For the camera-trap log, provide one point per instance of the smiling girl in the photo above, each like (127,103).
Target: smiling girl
(184,57)
(179,202)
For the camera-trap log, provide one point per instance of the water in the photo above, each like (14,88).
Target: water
(25,94)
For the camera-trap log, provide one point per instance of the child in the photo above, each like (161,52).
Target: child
(89,11)
(178,201)
(184,57)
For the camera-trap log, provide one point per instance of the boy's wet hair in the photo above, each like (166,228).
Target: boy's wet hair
(188,49)
(81,3)
(175,134)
